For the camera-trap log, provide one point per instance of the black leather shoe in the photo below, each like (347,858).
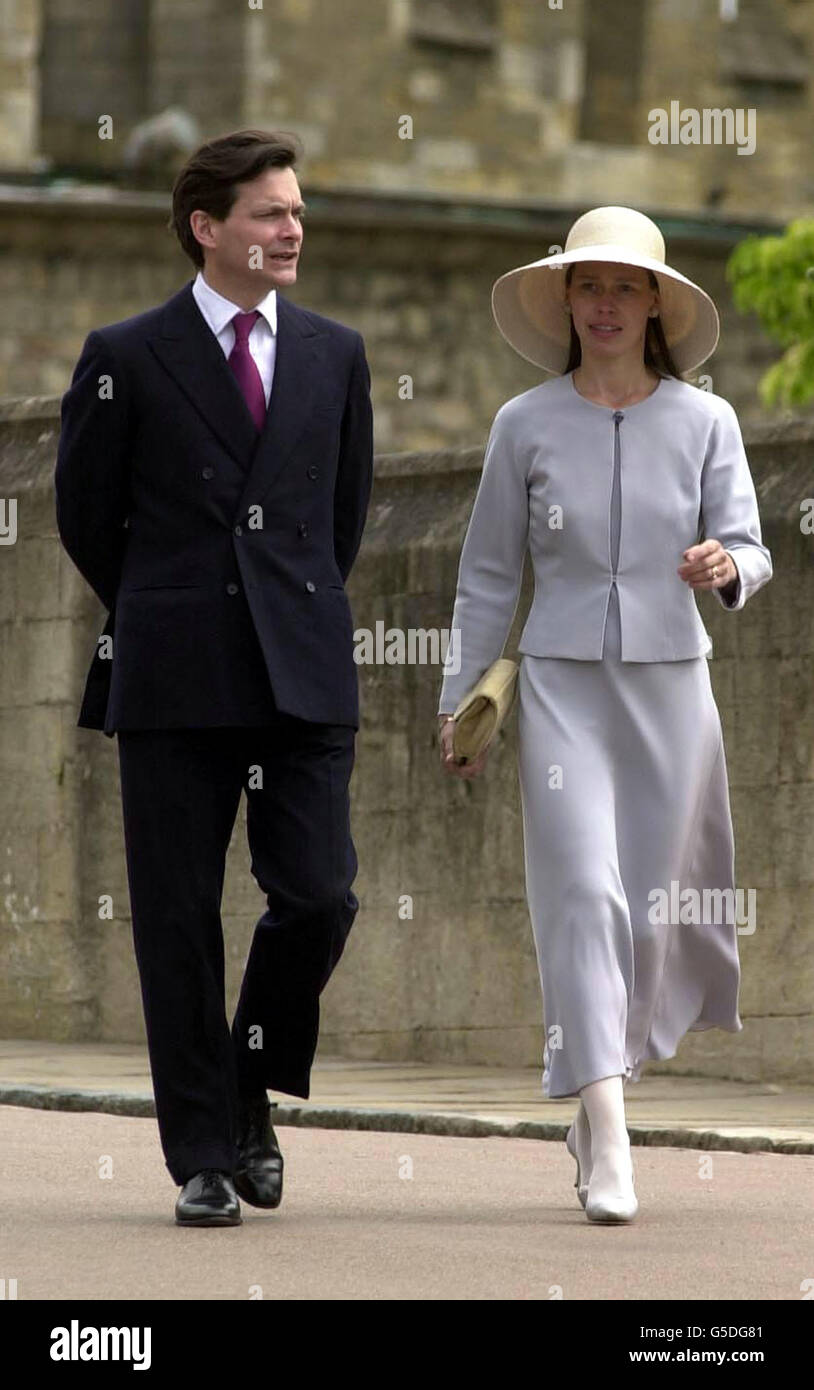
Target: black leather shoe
(259,1170)
(208,1198)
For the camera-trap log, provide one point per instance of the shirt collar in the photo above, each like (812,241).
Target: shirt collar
(218,311)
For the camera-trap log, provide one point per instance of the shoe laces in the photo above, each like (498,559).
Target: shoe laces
(212,1177)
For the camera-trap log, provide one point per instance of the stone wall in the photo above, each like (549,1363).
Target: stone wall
(413,275)
(456,980)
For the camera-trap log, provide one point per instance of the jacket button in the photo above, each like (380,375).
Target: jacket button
(207,472)
(302,528)
(312,471)
(231,588)
(238,530)
(310,585)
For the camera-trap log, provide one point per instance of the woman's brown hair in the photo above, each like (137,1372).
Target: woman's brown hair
(210,177)
(656,352)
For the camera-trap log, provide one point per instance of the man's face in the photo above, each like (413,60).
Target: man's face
(266,214)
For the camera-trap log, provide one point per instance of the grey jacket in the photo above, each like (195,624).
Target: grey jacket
(546,486)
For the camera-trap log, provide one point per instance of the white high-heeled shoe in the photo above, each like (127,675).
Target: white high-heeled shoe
(614,1207)
(571,1146)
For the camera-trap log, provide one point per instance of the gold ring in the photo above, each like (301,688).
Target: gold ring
(715,571)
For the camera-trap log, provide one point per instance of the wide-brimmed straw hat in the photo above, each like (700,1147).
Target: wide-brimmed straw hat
(529,302)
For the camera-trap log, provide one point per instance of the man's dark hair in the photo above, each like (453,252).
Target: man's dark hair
(210,177)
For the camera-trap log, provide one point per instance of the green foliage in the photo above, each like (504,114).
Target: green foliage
(774,277)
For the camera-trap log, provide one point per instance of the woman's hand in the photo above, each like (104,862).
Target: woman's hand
(446,728)
(708,566)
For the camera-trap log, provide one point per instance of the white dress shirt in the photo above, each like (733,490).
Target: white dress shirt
(219,312)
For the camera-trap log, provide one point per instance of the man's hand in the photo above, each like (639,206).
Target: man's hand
(708,566)
(446,730)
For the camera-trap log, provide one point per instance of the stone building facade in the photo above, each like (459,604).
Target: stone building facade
(548,99)
(445,141)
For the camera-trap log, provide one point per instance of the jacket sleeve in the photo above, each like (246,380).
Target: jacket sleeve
(729,511)
(91,478)
(490,571)
(354,477)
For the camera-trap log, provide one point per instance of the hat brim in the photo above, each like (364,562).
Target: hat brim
(527,304)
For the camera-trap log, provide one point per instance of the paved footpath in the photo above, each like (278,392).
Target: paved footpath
(404,1182)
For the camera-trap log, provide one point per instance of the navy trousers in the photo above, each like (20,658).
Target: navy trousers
(180,794)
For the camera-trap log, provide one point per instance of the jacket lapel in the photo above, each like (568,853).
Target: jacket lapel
(187,348)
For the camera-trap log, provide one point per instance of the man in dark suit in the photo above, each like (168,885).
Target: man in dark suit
(217,520)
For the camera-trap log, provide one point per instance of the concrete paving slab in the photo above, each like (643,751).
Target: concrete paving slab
(683,1111)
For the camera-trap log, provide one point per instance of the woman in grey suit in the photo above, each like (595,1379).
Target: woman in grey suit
(631,489)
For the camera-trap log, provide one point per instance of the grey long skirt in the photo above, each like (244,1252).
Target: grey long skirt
(644,802)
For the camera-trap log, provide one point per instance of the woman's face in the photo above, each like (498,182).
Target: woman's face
(610,305)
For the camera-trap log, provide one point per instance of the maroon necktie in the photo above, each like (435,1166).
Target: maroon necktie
(245,368)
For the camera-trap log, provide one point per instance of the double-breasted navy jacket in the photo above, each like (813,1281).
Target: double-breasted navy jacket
(220,553)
